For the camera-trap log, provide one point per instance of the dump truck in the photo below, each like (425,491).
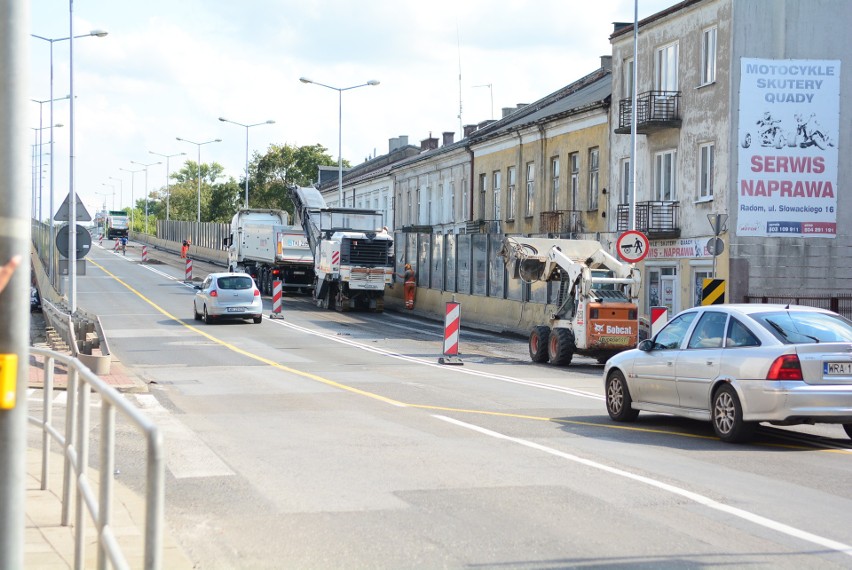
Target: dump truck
(596,307)
(265,245)
(117,224)
(353,254)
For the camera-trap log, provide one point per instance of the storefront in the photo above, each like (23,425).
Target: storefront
(674,271)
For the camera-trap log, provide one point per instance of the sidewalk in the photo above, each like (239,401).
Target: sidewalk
(49,545)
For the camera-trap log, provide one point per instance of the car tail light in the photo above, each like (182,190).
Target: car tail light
(276,271)
(214,293)
(256,293)
(786,367)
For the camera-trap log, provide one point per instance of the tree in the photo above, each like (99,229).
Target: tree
(183,199)
(282,166)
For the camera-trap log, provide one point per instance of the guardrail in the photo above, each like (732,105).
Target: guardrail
(75,443)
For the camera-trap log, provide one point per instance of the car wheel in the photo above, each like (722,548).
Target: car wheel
(618,400)
(195,314)
(258,319)
(560,347)
(538,343)
(206,318)
(848,429)
(728,417)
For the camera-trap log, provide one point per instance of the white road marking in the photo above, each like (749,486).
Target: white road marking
(186,455)
(468,371)
(696,497)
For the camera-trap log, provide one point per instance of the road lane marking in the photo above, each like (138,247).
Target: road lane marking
(690,495)
(187,456)
(397,403)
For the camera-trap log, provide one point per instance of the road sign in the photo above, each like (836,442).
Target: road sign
(715,246)
(81,213)
(84,241)
(713,292)
(632,246)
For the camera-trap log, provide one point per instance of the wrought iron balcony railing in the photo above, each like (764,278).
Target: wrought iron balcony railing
(655,110)
(657,220)
(561,222)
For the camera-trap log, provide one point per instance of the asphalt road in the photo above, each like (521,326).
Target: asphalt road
(329,440)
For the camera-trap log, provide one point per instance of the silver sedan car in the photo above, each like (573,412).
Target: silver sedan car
(227,296)
(737,365)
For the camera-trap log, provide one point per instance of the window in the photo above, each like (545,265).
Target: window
(429,205)
(452,200)
(574,161)
(706,160)
(554,183)
(663,288)
(674,332)
(511,180)
(709,331)
(698,277)
(528,209)
(409,216)
(594,168)
(626,173)
(419,213)
(665,176)
(665,68)
(464,199)
(495,180)
(739,335)
(627,79)
(483,186)
(708,56)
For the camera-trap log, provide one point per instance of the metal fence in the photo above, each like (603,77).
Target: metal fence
(204,234)
(841,304)
(75,444)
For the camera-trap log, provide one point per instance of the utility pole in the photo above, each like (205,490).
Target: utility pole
(14,240)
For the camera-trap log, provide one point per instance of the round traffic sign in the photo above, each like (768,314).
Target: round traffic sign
(632,246)
(83,241)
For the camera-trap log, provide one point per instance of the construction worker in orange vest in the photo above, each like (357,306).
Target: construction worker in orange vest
(409,285)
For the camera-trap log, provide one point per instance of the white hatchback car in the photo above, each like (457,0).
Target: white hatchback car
(227,296)
(737,365)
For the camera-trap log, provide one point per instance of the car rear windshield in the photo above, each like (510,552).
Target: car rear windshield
(801,327)
(238,282)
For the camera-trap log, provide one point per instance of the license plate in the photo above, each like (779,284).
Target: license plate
(236,310)
(837,368)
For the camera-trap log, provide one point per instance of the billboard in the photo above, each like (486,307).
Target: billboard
(788,136)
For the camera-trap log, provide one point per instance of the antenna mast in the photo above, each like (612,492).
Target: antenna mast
(458,45)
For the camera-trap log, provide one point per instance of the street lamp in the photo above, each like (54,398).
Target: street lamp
(269,122)
(199,145)
(145,168)
(40,144)
(132,186)
(120,191)
(72,202)
(113,194)
(167,157)
(340,91)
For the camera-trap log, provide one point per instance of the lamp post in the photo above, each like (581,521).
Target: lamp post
(72,202)
(145,168)
(199,145)
(40,144)
(340,91)
(113,194)
(269,122)
(120,191)
(167,157)
(132,187)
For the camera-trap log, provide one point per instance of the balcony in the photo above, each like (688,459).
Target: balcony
(656,110)
(561,222)
(484,227)
(657,220)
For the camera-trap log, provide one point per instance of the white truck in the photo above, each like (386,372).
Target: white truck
(597,311)
(265,245)
(353,255)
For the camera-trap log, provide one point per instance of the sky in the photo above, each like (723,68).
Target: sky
(170,69)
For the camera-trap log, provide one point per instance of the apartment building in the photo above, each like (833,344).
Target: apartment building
(739,108)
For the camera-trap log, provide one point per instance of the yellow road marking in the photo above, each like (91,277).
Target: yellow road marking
(397,403)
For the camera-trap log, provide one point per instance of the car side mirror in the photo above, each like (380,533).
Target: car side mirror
(197,287)
(646,345)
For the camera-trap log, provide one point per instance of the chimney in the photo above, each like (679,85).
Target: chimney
(430,143)
(507,111)
(606,62)
(393,144)
(448,137)
(403,140)
(468,130)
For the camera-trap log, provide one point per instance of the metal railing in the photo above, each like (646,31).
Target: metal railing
(651,107)
(75,443)
(659,218)
(561,222)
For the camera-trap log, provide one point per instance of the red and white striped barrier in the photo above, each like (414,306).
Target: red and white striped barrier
(659,318)
(276,299)
(144,254)
(452,323)
(188,269)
